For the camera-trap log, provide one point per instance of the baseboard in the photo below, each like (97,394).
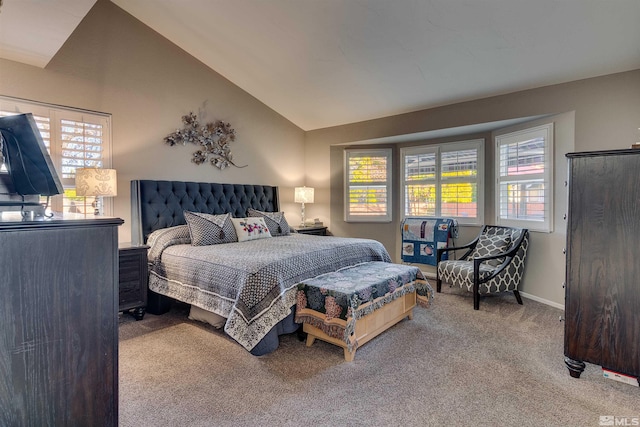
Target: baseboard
(542,300)
(431,275)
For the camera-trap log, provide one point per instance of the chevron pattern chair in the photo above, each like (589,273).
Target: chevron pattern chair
(494,262)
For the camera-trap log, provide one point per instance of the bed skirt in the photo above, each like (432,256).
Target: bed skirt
(159,304)
(271,341)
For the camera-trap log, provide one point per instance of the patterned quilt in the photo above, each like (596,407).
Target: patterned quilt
(253,284)
(332,302)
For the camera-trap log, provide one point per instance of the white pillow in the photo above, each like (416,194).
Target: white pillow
(250,228)
(202,315)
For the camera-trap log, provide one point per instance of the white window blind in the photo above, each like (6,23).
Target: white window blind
(459,178)
(74,139)
(420,183)
(368,185)
(444,180)
(524,178)
(82,145)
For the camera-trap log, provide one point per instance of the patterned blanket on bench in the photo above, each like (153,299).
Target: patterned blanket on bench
(332,302)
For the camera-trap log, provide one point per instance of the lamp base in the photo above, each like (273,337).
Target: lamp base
(96,205)
(302,215)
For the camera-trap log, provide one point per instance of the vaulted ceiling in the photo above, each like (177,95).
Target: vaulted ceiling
(323,63)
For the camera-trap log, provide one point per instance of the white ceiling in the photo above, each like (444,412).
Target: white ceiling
(322,63)
(32,31)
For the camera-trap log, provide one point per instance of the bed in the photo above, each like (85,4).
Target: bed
(251,284)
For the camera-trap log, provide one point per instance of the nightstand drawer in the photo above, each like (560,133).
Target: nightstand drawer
(133,274)
(130,295)
(316,231)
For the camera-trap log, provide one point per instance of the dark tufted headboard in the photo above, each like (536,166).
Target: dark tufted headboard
(160,204)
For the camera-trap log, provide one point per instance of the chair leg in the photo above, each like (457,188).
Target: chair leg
(476,294)
(438,285)
(518,298)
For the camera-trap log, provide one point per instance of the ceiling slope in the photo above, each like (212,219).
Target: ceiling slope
(32,31)
(323,63)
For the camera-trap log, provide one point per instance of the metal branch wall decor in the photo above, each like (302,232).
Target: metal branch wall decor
(213,138)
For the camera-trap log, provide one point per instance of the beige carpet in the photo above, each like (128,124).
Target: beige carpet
(450,365)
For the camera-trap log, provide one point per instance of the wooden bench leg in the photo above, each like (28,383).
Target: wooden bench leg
(310,340)
(349,355)
(368,326)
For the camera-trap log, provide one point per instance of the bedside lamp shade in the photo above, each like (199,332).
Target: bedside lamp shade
(96,182)
(303,195)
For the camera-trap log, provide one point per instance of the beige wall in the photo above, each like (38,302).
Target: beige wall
(592,114)
(113,63)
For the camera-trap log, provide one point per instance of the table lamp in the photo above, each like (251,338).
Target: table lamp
(303,195)
(98,183)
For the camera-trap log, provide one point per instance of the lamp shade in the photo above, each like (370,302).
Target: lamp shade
(303,195)
(96,182)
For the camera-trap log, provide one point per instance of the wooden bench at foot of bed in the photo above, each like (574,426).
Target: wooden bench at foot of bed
(353,305)
(369,326)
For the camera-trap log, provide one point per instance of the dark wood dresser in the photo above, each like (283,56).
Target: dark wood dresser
(59,321)
(602,305)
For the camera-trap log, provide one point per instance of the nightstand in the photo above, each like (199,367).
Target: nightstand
(133,274)
(314,230)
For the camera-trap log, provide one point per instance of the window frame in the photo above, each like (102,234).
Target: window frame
(56,114)
(379,152)
(438,150)
(547,132)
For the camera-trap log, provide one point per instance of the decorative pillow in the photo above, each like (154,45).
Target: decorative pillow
(250,228)
(491,245)
(161,239)
(276,222)
(206,229)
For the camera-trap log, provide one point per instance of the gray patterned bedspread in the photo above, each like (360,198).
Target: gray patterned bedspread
(253,283)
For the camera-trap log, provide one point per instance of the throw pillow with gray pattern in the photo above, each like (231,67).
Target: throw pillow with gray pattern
(491,245)
(276,222)
(206,229)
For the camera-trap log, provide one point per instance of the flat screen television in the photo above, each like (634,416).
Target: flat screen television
(30,171)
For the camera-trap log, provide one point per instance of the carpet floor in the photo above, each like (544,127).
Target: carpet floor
(450,365)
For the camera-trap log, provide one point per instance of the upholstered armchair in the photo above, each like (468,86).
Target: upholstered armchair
(494,262)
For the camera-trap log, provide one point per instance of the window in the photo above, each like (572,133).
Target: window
(444,181)
(367,185)
(524,186)
(74,139)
